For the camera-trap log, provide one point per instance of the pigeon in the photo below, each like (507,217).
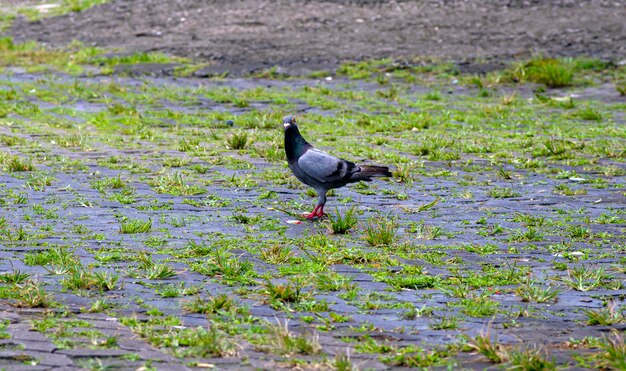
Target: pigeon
(321,170)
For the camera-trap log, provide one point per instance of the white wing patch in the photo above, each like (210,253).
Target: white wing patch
(322,166)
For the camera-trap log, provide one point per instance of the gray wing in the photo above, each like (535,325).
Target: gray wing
(324,167)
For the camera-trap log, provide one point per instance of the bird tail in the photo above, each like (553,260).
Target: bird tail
(369,171)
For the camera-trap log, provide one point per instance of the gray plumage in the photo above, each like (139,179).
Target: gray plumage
(321,170)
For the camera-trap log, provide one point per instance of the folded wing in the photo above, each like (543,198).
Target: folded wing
(324,167)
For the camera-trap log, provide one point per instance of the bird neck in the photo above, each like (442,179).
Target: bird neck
(295,145)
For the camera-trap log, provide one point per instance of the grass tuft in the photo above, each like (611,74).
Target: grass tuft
(279,340)
(381,232)
(488,346)
(238,140)
(341,224)
(607,316)
(130,226)
(554,73)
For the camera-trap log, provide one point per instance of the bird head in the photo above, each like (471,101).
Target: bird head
(289,121)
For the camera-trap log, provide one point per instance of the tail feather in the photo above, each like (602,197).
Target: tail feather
(369,171)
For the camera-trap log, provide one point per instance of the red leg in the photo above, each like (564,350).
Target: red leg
(320,212)
(313,213)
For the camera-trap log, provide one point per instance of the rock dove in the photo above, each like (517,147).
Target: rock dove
(320,170)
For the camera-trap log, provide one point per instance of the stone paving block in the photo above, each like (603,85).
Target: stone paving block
(23,334)
(171,367)
(52,359)
(23,367)
(44,358)
(10,315)
(346,269)
(91,353)
(147,352)
(191,320)
(39,346)
(363,363)
(100,322)
(131,343)
(10,354)
(264,312)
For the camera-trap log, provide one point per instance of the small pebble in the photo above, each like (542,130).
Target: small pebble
(205,365)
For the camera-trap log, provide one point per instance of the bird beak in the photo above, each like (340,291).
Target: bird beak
(286,125)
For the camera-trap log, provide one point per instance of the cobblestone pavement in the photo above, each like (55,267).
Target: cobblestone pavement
(135,233)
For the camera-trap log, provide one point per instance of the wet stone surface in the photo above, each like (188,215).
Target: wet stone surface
(135,233)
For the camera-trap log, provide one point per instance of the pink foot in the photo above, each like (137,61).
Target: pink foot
(320,212)
(314,213)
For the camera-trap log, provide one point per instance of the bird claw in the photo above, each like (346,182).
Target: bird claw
(318,212)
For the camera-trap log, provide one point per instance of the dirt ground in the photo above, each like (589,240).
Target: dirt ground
(248,35)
